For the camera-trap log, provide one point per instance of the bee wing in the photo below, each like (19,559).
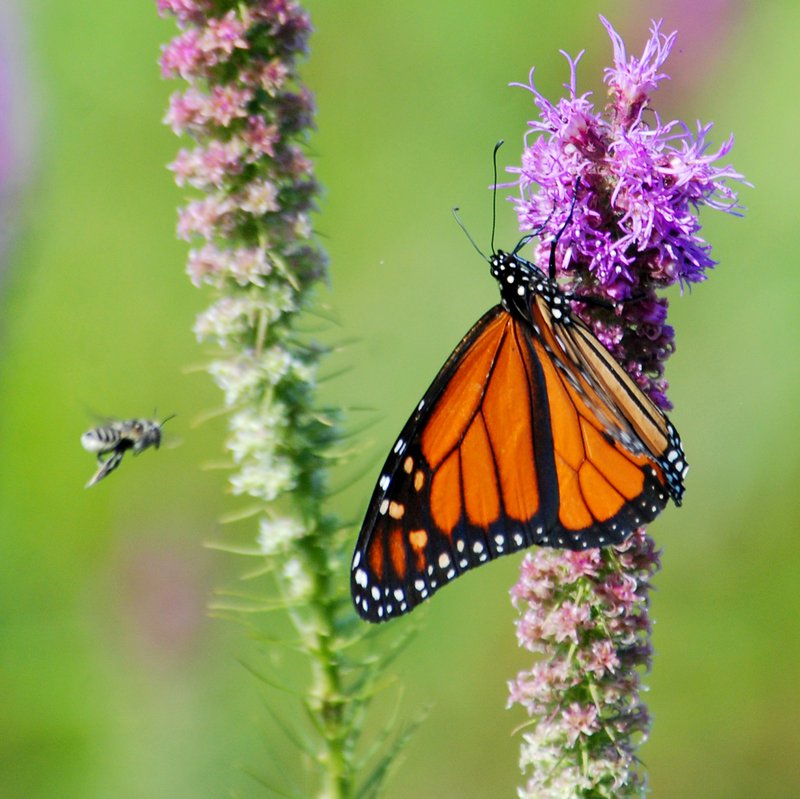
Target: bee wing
(99,419)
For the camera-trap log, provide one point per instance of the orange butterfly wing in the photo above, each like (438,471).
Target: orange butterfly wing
(529,434)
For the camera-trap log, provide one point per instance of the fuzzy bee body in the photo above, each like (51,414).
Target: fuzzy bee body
(115,438)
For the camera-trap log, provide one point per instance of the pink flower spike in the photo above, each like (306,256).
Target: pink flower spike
(261,138)
(249,265)
(222,36)
(261,197)
(590,627)
(218,163)
(566,622)
(185,11)
(580,720)
(583,563)
(206,218)
(205,264)
(186,110)
(182,56)
(603,658)
(228,103)
(272,76)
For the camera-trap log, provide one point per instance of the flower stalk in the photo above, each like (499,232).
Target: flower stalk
(253,248)
(638,183)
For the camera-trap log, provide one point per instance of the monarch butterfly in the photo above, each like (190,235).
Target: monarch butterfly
(531,433)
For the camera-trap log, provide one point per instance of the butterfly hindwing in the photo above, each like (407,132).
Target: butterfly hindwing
(604,487)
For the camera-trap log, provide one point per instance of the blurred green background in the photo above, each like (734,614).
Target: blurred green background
(113,681)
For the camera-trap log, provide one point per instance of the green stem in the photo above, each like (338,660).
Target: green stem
(326,699)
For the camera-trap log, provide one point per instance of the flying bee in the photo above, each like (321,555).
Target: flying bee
(116,437)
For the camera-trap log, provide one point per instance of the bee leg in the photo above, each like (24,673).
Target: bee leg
(106,467)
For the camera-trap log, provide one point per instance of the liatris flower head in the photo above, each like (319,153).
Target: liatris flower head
(639,183)
(248,116)
(252,247)
(587,614)
(626,187)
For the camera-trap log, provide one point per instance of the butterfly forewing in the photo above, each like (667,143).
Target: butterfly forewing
(445,486)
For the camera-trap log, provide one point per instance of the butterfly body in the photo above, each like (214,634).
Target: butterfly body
(531,433)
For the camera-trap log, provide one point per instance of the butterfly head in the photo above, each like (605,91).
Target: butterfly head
(518,280)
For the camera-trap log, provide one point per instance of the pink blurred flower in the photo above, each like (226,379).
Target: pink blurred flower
(16,133)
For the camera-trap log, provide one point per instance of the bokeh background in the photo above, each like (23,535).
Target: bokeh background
(113,680)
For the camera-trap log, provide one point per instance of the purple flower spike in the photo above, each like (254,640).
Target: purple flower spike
(640,183)
(637,184)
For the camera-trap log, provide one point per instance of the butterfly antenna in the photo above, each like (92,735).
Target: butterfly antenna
(494,206)
(466,233)
(560,232)
(494,189)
